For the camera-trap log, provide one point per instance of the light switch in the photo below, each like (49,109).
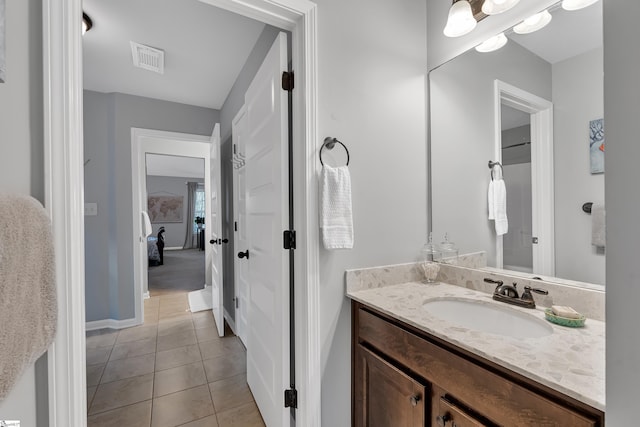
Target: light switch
(90,209)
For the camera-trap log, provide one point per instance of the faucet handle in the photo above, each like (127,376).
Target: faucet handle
(536,290)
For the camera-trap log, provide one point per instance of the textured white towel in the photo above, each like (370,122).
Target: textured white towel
(146,225)
(498,206)
(598,229)
(336,219)
(28,309)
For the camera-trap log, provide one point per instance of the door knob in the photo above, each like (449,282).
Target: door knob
(244,254)
(414,400)
(225,240)
(213,241)
(443,419)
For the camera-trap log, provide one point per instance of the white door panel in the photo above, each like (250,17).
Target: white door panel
(267,217)
(215,222)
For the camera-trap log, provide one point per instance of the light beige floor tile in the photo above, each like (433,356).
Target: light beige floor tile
(174,298)
(174,317)
(91,391)
(178,379)
(203,319)
(121,393)
(127,368)
(167,342)
(207,334)
(178,356)
(181,407)
(224,367)
(137,415)
(96,356)
(230,393)
(137,333)
(94,372)
(133,349)
(101,340)
(221,347)
(211,421)
(175,327)
(246,415)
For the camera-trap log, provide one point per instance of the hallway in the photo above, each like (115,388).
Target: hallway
(172,371)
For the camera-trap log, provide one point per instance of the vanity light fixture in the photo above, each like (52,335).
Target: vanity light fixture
(493,7)
(461,20)
(533,23)
(494,43)
(87,23)
(576,4)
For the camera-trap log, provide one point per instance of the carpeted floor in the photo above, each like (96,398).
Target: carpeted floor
(182,271)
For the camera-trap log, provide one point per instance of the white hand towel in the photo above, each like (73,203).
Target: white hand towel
(491,201)
(598,229)
(336,219)
(146,225)
(28,309)
(500,207)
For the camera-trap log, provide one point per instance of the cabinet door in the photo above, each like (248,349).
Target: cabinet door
(384,395)
(451,415)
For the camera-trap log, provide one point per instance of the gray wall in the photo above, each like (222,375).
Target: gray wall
(462,138)
(371,96)
(577,99)
(520,153)
(22,167)
(160,186)
(109,233)
(231,106)
(622,198)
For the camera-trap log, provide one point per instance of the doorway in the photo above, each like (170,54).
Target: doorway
(63,154)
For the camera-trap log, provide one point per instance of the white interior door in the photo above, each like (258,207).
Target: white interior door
(215,222)
(267,217)
(241,266)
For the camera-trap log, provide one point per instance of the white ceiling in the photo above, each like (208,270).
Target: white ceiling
(205,49)
(569,33)
(186,167)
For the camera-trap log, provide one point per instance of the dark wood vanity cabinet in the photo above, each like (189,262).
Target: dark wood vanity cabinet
(402,376)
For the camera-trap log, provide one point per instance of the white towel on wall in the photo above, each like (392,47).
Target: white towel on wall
(28,308)
(500,207)
(146,225)
(336,220)
(598,229)
(491,201)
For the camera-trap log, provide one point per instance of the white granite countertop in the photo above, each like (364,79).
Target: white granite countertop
(570,360)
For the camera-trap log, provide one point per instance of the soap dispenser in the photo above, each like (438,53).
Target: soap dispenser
(430,256)
(448,251)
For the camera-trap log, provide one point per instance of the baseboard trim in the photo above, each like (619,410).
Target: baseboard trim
(146,295)
(110,324)
(173,248)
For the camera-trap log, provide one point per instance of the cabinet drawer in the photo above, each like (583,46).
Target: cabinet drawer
(450,415)
(497,398)
(385,396)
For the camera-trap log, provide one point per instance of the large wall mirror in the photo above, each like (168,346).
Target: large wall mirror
(535,105)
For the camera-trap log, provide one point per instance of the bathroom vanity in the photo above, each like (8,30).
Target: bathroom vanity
(413,368)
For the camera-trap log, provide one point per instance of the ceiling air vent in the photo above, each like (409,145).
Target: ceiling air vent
(147,57)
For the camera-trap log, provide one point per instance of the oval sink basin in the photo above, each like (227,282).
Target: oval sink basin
(485,317)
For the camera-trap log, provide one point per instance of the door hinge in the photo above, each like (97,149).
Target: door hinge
(235,225)
(534,240)
(291,398)
(289,239)
(237,302)
(287,81)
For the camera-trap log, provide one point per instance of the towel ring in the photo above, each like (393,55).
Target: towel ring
(492,165)
(329,143)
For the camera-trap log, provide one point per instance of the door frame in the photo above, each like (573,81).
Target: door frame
(152,141)
(64,197)
(542,224)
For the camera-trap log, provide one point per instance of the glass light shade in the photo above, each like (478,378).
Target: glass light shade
(533,23)
(461,20)
(494,43)
(493,7)
(576,4)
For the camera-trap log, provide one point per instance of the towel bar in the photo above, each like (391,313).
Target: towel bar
(329,143)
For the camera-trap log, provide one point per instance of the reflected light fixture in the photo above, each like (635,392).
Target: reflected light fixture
(576,4)
(494,43)
(533,23)
(461,20)
(493,7)
(87,23)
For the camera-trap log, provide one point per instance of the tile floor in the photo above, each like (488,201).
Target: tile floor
(172,371)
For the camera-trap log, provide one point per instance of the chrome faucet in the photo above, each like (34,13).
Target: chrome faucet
(509,294)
